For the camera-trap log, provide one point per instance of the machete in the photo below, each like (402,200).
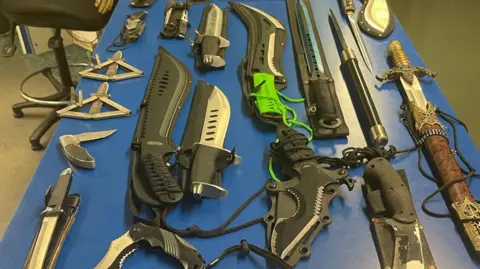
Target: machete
(169,86)
(202,157)
(398,234)
(262,68)
(376,18)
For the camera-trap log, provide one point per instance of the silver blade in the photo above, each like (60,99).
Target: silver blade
(408,251)
(42,243)
(308,39)
(119,246)
(414,92)
(113,68)
(377,15)
(214,21)
(97,104)
(216,120)
(360,43)
(89,136)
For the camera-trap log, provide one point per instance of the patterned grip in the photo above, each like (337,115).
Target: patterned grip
(348,6)
(447,167)
(395,194)
(165,188)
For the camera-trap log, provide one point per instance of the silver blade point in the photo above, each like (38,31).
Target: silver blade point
(360,43)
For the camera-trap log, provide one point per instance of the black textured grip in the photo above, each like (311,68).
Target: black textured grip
(395,194)
(172,244)
(325,105)
(155,170)
(348,6)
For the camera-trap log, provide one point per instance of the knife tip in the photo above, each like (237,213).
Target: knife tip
(67,171)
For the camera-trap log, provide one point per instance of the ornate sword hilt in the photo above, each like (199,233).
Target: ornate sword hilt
(402,66)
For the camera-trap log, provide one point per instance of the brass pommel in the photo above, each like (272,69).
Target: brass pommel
(399,56)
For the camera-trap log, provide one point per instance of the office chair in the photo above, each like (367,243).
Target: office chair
(55,14)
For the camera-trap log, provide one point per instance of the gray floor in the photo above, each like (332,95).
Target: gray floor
(442,31)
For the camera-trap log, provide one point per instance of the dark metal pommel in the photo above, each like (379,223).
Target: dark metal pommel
(402,66)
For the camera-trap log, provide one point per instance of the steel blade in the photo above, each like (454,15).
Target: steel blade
(113,68)
(309,42)
(97,104)
(216,120)
(89,136)
(414,92)
(360,43)
(214,21)
(42,243)
(117,252)
(408,251)
(338,31)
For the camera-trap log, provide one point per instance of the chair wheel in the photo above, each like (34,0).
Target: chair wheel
(18,114)
(36,146)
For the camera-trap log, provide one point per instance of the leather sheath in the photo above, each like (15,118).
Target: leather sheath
(65,222)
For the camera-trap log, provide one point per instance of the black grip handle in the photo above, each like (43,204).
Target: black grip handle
(157,173)
(171,243)
(361,89)
(61,189)
(395,194)
(210,45)
(348,6)
(325,105)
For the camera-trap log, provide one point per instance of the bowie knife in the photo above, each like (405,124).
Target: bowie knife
(169,86)
(430,133)
(400,240)
(348,8)
(202,157)
(210,43)
(376,18)
(51,215)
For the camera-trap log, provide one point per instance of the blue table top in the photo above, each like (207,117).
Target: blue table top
(102,216)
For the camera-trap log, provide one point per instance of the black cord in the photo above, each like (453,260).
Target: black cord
(245,249)
(195,231)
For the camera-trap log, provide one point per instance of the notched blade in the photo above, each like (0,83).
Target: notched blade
(216,119)
(117,252)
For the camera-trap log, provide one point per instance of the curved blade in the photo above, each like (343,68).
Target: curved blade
(117,252)
(216,120)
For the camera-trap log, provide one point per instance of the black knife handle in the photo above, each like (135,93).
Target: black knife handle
(378,135)
(211,45)
(157,173)
(325,106)
(348,6)
(395,194)
(61,190)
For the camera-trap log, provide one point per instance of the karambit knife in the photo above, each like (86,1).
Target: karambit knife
(348,9)
(398,234)
(171,243)
(202,156)
(315,80)
(176,20)
(151,181)
(376,18)
(51,215)
(299,205)
(262,67)
(211,40)
(116,60)
(78,155)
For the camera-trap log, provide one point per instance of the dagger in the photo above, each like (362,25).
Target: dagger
(377,133)
(348,8)
(432,137)
(51,215)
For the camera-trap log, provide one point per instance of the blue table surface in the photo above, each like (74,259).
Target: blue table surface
(102,216)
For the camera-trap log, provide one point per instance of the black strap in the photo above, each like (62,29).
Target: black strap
(195,231)
(245,249)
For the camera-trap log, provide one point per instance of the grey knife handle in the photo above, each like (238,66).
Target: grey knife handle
(169,242)
(79,156)
(394,192)
(61,190)
(348,6)
(157,173)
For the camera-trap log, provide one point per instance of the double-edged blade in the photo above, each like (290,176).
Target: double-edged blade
(51,214)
